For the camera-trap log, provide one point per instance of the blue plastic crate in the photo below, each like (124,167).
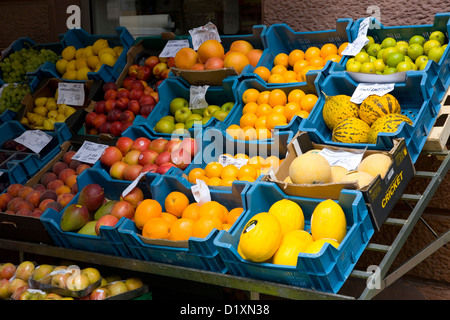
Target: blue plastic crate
(172,88)
(6,116)
(79,38)
(109,241)
(280,38)
(326,270)
(437,72)
(200,253)
(417,99)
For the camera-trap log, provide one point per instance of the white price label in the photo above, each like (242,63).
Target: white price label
(172,46)
(90,152)
(197,97)
(71,94)
(363,90)
(225,160)
(348,160)
(35,140)
(201,34)
(201,193)
(361,40)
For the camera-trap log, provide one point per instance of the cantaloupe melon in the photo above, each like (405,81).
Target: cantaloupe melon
(363,178)
(375,164)
(337,172)
(310,168)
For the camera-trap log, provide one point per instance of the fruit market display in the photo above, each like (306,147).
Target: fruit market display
(46,112)
(391,55)
(352,123)
(154,69)
(265,110)
(128,158)
(211,55)
(238,167)
(182,219)
(279,236)
(74,64)
(293,66)
(12,95)
(181,117)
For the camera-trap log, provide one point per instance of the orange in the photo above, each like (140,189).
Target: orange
(276,78)
(271,161)
(241,156)
(250,107)
(237,60)
(278,69)
(308,102)
(247,170)
(263,110)
(290,109)
(233,131)
(226,226)
(210,48)
(317,62)
(302,113)
(248,133)
(328,49)
(213,208)
(204,225)
(191,211)
(156,228)
(278,108)
(263,97)
(250,95)
(342,48)
(333,57)
(261,122)
(229,172)
(295,95)
(295,55)
(256,161)
(248,119)
(247,178)
(214,181)
(300,65)
(263,72)
(181,230)
(290,76)
(168,217)
(275,119)
(263,133)
(176,202)
(277,97)
(195,174)
(302,74)
(253,56)
(146,210)
(233,215)
(228,182)
(241,46)
(213,169)
(185,58)
(312,52)
(281,59)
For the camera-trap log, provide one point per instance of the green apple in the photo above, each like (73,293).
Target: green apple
(227,106)
(194,116)
(182,114)
(165,126)
(171,118)
(198,111)
(205,120)
(178,103)
(210,110)
(190,123)
(220,115)
(179,125)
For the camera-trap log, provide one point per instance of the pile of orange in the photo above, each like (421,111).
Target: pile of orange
(265,110)
(182,219)
(293,66)
(215,174)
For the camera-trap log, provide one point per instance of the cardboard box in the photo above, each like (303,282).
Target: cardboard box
(207,77)
(380,196)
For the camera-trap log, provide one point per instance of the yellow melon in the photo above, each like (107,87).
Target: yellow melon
(317,245)
(289,214)
(337,172)
(310,168)
(328,221)
(363,178)
(291,245)
(376,164)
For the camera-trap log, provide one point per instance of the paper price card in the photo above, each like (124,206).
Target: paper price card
(363,90)
(201,34)
(90,152)
(201,193)
(225,160)
(361,40)
(71,94)
(197,97)
(35,140)
(348,160)
(172,47)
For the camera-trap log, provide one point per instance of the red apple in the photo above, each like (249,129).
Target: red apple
(141,144)
(89,119)
(173,143)
(144,73)
(151,61)
(113,115)
(134,197)
(124,209)
(110,156)
(162,169)
(110,104)
(165,74)
(99,106)
(106,220)
(158,145)
(123,93)
(147,156)
(109,86)
(146,110)
(117,169)
(110,94)
(148,90)
(126,126)
(132,156)
(162,158)
(124,144)
(99,294)
(93,131)
(104,128)
(151,167)
(136,85)
(122,103)
(181,158)
(8,270)
(158,69)
(127,116)
(147,99)
(136,94)
(127,82)
(99,120)
(190,145)
(116,128)
(132,172)
(134,107)
(132,70)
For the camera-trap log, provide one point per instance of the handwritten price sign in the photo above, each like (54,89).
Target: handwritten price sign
(71,94)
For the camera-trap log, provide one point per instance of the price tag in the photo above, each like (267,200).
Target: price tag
(71,94)
(225,160)
(201,193)
(361,40)
(90,152)
(35,140)
(201,34)
(172,47)
(133,184)
(348,160)
(197,97)
(363,90)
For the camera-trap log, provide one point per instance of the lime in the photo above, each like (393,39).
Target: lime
(404,66)
(367,67)
(387,52)
(372,58)
(402,43)
(373,49)
(394,59)
(417,39)
(351,60)
(389,70)
(379,65)
(439,36)
(354,66)
(388,42)
(362,57)
(402,47)
(380,54)
(430,44)
(435,54)
(371,41)
(423,65)
(421,59)
(415,50)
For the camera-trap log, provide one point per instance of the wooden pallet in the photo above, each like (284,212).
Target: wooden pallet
(439,134)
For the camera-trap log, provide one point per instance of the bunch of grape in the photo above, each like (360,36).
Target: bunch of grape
(17,64)
(12,95)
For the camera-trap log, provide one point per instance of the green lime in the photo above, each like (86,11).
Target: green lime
(362,57)
(402,43)
(404,66)
(387,52)
(373,49)
(388,42)
(394,59)
(415,50)
(402,47)
(380,53)
(421,59)
(367,67)
(417,39)
(371,41)
(379,65)
(354,66)
(435,54)
(439,36)
(389,70)
(430,44)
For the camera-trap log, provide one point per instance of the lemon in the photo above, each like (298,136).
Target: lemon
(61,108)
(82,74)
(51,104)
(71,65)
(93,62)
(69,110)
(60,117)
(81,63)
(68,53)
(70,75)
(41,101)
(328,221)
(107,58)
(98,45)
(61,66)
(79,53)
(88,52)
(260,237)
(41,110)
(48,125)
(317,245)
(52,114)
(107,49)
(118,50)
(289,214)
(291,245)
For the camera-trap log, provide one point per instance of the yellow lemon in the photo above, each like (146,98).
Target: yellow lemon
(68,53)
(93,62)
(118,50)
(328,221)
(81,63)
(41,101)
(79,53)
(70,75)
(51,104)
(98,45)
(61,65)
(108,59)
(69,111)
(71,65)
(82,74)
(41,110)
(107,49)
(52,114)
(60,117)
(88,52)
(289,214)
